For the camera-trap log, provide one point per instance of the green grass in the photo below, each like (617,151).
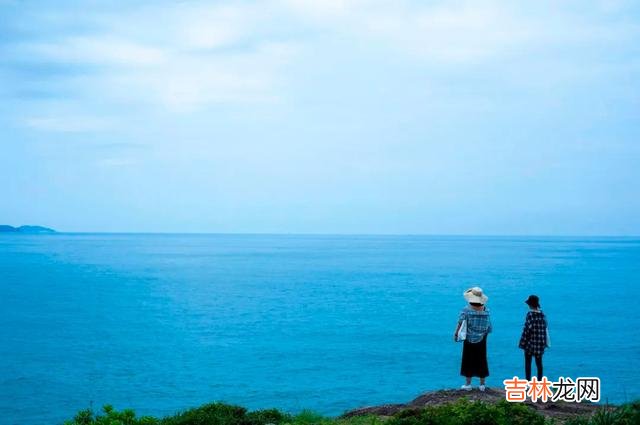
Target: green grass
(464,412)
(627,414)
(461,412)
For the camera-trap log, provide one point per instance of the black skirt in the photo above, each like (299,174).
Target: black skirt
(474,359)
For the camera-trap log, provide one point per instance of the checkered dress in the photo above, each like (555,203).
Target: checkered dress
(478,323)
(534,335)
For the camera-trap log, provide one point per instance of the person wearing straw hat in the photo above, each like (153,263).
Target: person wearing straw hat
(475,319)
(534,337)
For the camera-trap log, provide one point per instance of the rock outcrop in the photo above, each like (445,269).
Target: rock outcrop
(558,410)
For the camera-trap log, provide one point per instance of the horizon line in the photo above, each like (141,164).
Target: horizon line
(498,235)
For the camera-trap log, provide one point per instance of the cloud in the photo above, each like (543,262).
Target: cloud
(213,26)
(187,56)
(100,50)
(450,34)
(192,81)
(67,124)
(440,32)
(459,32)
(116,162)
(182,57)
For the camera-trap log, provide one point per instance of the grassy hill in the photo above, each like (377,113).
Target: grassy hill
(448,407)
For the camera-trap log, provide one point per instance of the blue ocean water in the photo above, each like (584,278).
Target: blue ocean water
(159,323)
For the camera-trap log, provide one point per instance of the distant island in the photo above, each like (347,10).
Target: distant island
(4,228)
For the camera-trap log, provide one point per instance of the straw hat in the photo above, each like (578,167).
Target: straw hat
(475,295)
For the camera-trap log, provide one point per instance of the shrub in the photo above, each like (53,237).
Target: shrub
(210,414)
(464,412)
(111,417)
(267,416)
(627,414)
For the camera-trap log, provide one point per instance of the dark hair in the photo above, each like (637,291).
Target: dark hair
(533,301)
(477,304)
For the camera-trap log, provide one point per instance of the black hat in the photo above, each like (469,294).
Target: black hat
(533,301)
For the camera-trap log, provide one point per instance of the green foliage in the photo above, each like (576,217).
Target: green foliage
(464,412)
(461,412)
(627,414)
(111,417)
(209,414)
(267,416)
(360,420)
(307,417)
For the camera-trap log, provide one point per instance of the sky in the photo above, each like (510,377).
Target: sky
(299,116)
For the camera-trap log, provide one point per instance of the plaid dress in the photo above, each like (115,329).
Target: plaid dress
(474,348)
(478,323)
(534,334)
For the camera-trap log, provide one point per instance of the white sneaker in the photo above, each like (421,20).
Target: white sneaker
(482,388)
(466,387)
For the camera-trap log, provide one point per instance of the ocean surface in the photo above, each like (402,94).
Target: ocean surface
(160,323)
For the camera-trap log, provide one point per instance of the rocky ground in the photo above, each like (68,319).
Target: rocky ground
(558,410)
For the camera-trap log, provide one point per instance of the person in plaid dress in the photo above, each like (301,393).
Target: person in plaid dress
(534,336)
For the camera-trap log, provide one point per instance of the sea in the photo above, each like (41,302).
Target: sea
(163,322)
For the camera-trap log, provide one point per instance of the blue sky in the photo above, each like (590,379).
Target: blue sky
(438,117)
